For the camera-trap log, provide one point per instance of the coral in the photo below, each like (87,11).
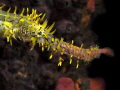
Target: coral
(97,83)
(65,83)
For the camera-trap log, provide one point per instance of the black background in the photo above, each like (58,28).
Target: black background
(106,26)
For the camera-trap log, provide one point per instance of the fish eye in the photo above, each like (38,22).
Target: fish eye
(40,33)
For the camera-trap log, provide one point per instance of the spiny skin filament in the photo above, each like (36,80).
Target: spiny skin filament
(29,28)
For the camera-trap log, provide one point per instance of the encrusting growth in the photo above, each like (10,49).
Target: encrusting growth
(29,28)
